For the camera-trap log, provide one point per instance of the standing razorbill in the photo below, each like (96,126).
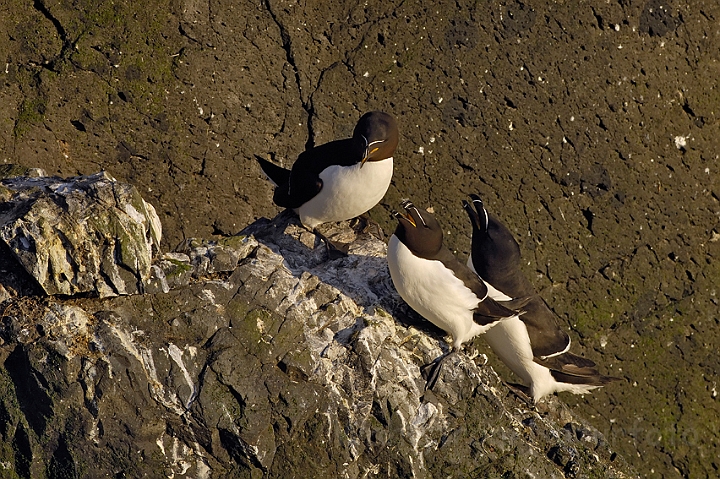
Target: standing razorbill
(341,179)
(438,286)
(532,345)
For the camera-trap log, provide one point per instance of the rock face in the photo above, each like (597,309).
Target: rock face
(262,359)
(88,234)
(593,126)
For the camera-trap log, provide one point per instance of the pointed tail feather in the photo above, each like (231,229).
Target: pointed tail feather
(572,369)
(276,174)
(596,380)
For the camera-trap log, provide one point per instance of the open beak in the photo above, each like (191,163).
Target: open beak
(407,206)
(405,216)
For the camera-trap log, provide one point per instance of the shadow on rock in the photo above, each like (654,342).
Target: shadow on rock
(362,275)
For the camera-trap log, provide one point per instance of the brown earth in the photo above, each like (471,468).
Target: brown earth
(590,128)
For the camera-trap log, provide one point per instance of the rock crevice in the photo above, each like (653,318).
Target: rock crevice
(255,356)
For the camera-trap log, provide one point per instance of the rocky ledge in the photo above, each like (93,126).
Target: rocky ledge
(255,356)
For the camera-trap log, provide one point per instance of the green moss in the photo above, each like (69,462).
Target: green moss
(591,316)
(236,310)
(234,242)
(31,113)
(7,390)
(87,58)
(251,322)
(246,321)
(130,237)
(10,170)
(106,14)
(181,267)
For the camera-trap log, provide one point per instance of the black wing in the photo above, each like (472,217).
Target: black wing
(495,253)
(304,181)
(546,337)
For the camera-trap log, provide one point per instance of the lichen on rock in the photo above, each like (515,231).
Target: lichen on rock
(83,235)
(256,356)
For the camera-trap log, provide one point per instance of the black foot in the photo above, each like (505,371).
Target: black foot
(368,225)
(431,371)
(521,392)
(334,250)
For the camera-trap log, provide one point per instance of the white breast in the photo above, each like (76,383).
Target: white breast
(434,292)
(348,191)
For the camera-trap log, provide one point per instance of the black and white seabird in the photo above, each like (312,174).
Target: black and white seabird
(438,286)
(341,179)
(532,345)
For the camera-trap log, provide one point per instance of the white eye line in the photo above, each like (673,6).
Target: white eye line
(418,213)
(376,141)
(487,219)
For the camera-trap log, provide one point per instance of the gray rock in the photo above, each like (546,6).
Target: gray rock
(82,235)
(534,105)
(208,257)
(285,365)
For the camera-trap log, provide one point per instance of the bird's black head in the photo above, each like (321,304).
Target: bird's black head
(418,230)
(478,215)
(379,133)
(494,249)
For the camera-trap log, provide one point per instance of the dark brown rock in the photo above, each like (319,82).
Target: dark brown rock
(520,102)
(287,365)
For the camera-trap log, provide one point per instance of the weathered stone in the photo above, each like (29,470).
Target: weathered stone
(10,170)
(290,366)
(176,269)
(522,101)
(83,235)
(157,282)
(208,257)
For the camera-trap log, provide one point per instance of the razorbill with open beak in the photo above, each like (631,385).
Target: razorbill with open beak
(438,286)
(341,179)
(531,345)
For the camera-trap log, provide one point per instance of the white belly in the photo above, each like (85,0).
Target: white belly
(434,292)
(347,192)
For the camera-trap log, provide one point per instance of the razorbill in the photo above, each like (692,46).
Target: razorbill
(341,179)
(438,286)
(531,345)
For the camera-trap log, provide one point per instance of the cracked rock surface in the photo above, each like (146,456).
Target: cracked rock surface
(277,363)
(590,128)
(88,234)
